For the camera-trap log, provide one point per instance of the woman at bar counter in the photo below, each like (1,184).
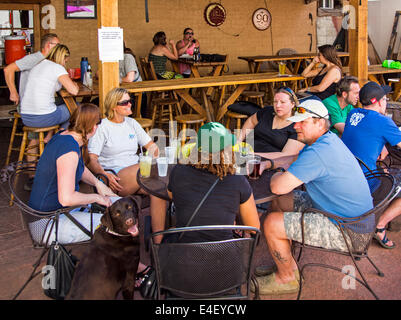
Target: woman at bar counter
(274,136)
(186,46)
(232,195)
(325,78)
(38,108)
(159,54)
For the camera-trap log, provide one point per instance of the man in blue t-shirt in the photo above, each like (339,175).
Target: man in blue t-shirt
(334,183)
(366,132)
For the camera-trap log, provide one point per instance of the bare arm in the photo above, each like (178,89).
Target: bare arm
(340,128)
(129,77)
(310,71)
(249,124)
(291,148)
(67,196)
(284,182)
(153,149)
(167,52)
(9,75)
(249,214)
(331,76)
(182,47)
(96,168)
(71,86)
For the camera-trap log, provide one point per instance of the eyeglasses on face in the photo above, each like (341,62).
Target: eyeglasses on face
(190,33)
(302,110)
(124,102)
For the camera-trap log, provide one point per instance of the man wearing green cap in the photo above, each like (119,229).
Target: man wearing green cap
(334,183)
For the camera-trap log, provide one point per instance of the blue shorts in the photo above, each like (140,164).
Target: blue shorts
(60,116)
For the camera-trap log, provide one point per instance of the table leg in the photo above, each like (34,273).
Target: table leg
(234,96)
(184,94)
(138,103)
(372,77)
(208,107)
(216,73)
(397,91)
(70,103)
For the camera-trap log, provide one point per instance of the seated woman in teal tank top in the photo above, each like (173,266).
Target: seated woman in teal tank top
(159,55)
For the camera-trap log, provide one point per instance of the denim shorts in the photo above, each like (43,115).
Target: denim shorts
(320,231)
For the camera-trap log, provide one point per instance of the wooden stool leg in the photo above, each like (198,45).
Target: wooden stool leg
(41,143)
(184,134)
(238,123)
(23,146)
(228,123)
(15,124)
(154,116)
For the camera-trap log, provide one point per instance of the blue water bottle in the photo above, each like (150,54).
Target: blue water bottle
(84,67)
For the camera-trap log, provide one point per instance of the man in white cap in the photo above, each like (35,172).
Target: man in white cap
(334,183)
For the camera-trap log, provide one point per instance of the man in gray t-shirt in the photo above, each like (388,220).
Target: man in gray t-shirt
(25,64)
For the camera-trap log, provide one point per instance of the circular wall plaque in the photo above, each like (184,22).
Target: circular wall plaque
(261,19)
(215,14)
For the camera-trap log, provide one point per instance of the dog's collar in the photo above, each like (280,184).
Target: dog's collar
(116,234)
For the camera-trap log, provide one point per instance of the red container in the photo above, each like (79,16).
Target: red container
(14,48)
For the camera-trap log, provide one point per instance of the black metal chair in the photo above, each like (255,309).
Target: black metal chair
(40,225)
(357,235)
(204,270)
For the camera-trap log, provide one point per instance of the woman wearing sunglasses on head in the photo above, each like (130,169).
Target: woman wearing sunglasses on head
(186,46)
(274,135)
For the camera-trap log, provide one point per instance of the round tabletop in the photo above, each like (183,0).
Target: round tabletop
(157,186)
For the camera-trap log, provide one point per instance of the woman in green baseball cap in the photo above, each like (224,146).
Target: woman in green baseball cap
(212,161)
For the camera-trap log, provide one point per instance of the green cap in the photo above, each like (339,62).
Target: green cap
(213,136)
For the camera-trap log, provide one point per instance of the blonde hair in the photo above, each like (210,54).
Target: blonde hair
(110,102)
(222,167)
(58,54)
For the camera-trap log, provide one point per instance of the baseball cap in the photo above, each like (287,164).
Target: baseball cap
(215,137)
(372,92)
(309,109)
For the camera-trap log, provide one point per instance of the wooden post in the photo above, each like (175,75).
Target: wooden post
(358,40)
(107,12)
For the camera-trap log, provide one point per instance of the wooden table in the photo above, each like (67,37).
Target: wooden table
(254,62)
(217,68)
(83,92)
(180,86)
(376,72)
(157,186)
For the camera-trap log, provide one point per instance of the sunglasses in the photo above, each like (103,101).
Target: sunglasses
(302,110)
(191,33)
(124,103)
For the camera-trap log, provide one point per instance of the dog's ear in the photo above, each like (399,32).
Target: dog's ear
(106,219)
(137,201)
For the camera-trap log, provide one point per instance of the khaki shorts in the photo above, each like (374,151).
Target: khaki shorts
(320,231)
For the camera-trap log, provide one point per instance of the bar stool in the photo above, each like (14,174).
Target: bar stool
(256,95)
(145,123)
(17,118)
(185,120)
(41,131)
(235,116)
(164,109)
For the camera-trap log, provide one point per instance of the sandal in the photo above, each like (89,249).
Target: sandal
(140,276)
(383,242)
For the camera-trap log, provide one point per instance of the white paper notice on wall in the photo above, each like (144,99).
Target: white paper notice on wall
(110,43)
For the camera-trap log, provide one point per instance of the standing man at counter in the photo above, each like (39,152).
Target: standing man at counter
(25,64)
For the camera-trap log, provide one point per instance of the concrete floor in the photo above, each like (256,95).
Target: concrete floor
(17,256)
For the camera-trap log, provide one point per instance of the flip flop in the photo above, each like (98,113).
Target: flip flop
(383,242)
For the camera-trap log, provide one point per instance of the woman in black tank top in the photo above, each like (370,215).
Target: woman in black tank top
(325,78)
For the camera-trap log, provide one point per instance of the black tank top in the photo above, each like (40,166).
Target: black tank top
(330,90)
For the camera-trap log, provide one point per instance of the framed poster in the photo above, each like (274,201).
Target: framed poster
(80,9)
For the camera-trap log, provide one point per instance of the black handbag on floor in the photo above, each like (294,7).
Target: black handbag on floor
(60,270)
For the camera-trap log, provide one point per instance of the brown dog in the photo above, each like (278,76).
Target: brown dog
(111,262)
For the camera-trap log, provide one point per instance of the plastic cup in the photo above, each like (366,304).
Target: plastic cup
(253,166)
(162,166)
(281,68)
(170,154)
(145,164)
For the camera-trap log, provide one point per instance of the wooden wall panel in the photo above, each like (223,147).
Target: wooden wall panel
(237,36)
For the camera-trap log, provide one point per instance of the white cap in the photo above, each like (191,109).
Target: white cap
(314,109)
